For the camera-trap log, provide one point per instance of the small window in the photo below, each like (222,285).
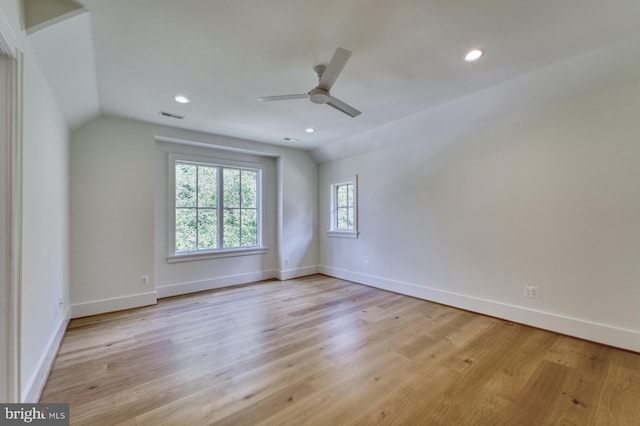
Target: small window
(216,208)
(344,208)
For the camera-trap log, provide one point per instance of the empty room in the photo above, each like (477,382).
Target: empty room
(320,213)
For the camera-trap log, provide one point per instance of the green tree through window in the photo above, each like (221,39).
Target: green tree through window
(344,206)
(215,207)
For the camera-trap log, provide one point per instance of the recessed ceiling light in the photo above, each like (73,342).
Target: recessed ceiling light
(309,130)
(473,55)
(182,99)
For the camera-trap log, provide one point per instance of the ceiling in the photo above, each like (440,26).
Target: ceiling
(130,58)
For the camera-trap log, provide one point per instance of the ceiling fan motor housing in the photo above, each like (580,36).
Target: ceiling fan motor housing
(319,96)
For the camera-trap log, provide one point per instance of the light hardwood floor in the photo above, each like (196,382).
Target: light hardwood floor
(321,351)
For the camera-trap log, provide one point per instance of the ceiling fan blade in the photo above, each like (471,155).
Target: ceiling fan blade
(341,106)
(339,60)
(283,97)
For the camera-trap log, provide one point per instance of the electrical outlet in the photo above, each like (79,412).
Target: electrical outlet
(144,280)
(60,303)
(367,263)
(531,291)
(286,261)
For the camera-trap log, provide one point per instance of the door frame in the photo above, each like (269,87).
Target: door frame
(11,143)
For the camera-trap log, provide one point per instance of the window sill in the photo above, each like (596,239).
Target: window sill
(215,254)
(342,234)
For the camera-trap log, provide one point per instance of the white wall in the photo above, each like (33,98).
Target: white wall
(112,184)
(5,210)
(45,199)
(45,237)
(546,197)
(114,205)
(298,213)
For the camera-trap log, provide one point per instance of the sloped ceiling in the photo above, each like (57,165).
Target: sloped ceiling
(65,51)
(39,14)
(130,58)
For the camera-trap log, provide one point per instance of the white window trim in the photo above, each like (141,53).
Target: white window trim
(333,232)
(172,256)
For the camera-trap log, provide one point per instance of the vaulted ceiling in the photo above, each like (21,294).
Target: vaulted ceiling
(131,57)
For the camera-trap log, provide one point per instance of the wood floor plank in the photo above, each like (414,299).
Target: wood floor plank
(322,351)
(536,401)
(619,402)
(467,370)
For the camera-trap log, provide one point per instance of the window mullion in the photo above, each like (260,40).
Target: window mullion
(219,206)
(240,206)
(196,208)
(337,205)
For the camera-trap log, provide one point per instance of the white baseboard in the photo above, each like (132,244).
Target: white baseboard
(127,302)
(213,283)
(32,390)
(231,280)
(289,274)
(581,328)
(96,307)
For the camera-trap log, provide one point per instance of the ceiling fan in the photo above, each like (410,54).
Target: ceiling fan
(327,76)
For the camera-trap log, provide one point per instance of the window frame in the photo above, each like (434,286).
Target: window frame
(221,252)
(334,231)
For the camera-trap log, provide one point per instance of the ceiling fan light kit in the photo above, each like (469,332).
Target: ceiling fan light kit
(321,94)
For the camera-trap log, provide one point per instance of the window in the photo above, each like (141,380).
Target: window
(216,208)
(344,208)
